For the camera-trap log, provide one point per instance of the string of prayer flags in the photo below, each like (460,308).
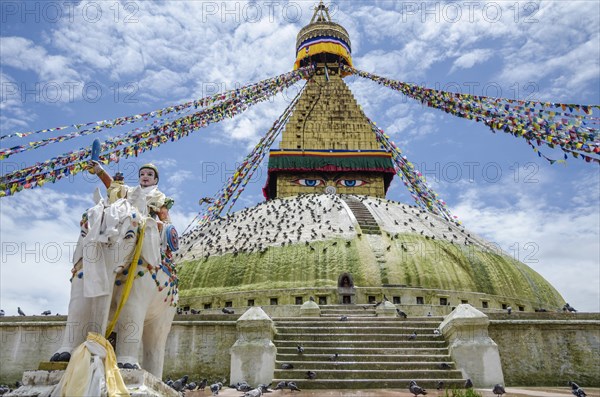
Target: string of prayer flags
(414,181)
(97,126)
(138,142)
(235,185)
(545,123)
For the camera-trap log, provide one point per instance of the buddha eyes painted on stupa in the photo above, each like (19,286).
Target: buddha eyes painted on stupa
(350,182)
(309,182)
(345,182)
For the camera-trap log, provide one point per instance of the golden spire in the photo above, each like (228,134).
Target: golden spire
(320,13)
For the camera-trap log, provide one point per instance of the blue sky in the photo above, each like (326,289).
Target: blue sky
(65,63)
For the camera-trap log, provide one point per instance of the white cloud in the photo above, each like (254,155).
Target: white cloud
(38,232)
(23,54)
(470,59)
(551,240)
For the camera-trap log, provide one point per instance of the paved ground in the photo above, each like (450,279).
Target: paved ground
(510,392)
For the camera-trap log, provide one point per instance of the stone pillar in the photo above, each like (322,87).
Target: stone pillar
(310,309)
(386,309)
(253,354)
(473,351)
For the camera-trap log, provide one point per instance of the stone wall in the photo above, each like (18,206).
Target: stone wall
(542,349)
(198,348)
(549,350)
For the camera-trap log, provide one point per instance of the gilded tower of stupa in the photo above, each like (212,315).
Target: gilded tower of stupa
(328,144)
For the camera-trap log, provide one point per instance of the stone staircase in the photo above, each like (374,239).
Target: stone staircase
(373,352)
(365,219)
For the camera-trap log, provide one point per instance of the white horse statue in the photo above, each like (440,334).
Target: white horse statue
(110,237)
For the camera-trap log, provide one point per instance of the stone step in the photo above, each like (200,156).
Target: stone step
(357,321)
(335,341)
(348,374)
(367,365)
(362,338)
(348,351)
(352,356)
(363,216)
(360,383)
(342,312)
(354,321)
(349,307)
(375,322)
(386,332)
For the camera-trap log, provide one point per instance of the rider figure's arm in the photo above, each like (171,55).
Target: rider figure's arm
(103,175)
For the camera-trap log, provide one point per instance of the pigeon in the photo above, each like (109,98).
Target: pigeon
(281,385)
(311,374)
(416,389)
(312,298)
(576,390)
(401,314)
(568,308)
(333,357)
(191,386)
(46,313)
(300,349)
(215,387)
(20,311)
(253,393)
(180,383)
(344,318)
(429,314)
(468,384)
(292,386)
(242,386)
(264,388)
(287,366)
(412,336)
(440,385)
(227,311)
(437,332)
(509,310)
(2,314)
(202,384)
(498,389)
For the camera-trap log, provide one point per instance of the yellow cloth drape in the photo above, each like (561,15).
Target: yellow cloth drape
(77,376)
(130,277)
(313,49)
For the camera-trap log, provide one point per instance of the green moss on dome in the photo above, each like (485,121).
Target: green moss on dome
(292,266)
(411,260)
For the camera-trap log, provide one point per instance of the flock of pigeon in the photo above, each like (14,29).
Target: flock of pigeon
(181,385)
(498,389)
(312,217)
(22,313)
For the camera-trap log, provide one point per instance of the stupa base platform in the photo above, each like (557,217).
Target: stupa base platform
(140,383)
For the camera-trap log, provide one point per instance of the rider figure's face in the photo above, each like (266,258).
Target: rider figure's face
(147,177)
